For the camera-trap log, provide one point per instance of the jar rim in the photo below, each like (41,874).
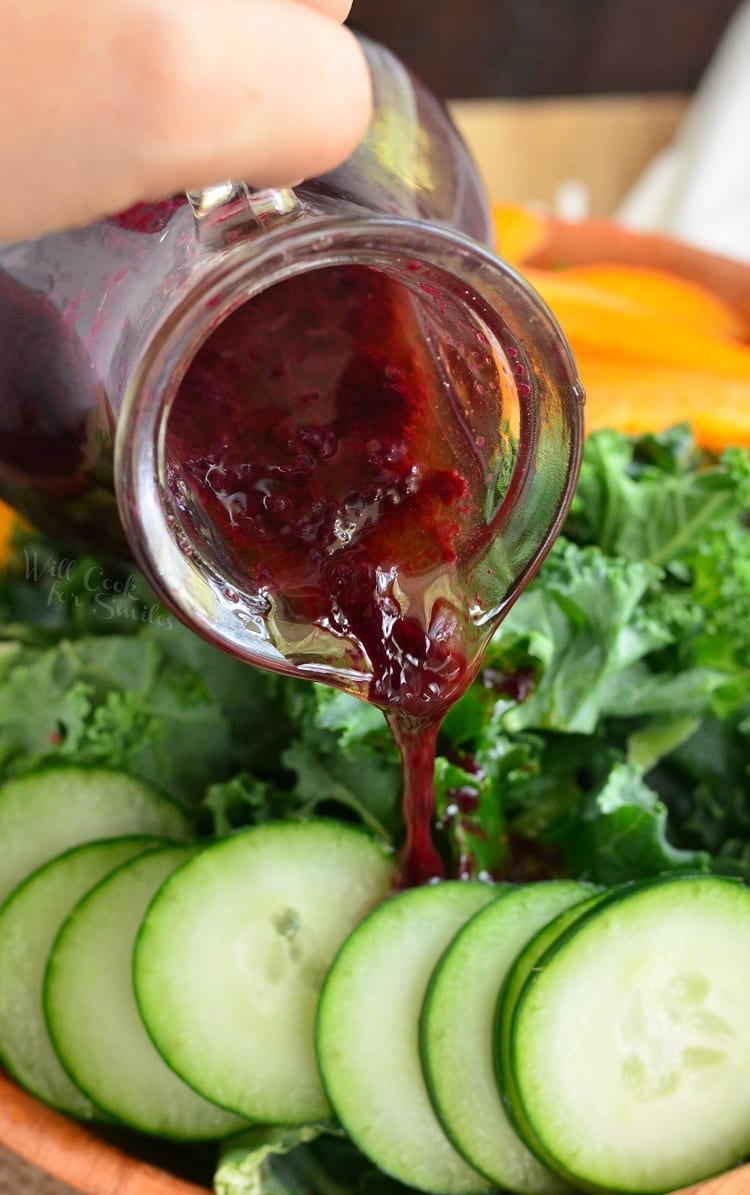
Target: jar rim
(186,581)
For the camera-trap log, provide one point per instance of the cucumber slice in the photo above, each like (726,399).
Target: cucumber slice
(29,922)
(43,814)
(631,1042)
(93,1017)
(457,1032)
(368,1035)
(524,966)
(233,953)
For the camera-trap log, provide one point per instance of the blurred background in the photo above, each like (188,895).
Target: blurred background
(513,48)
(568,103)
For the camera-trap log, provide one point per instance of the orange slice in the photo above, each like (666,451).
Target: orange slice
(664,294)
(612,326)
(637,399)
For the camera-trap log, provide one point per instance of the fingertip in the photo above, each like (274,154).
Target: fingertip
(268,91)
(337,9)
(296,101)
(340,108)
(150,97)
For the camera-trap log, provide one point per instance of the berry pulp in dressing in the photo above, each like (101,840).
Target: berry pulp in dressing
(334,454)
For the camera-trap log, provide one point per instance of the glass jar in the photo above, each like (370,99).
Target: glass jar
(107,334)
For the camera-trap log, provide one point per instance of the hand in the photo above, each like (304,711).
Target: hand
(105,103)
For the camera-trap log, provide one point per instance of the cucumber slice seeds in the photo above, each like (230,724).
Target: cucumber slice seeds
(630,1042)
(620,1031)
(233,953)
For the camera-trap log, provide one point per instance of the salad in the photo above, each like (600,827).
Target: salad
(606,738)
(199,937)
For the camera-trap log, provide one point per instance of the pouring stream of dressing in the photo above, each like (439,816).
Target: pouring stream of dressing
(346,464)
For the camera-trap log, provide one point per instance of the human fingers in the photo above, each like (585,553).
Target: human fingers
(337,9)
(105,105)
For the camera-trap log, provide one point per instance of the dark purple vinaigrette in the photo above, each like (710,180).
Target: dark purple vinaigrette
(320,439)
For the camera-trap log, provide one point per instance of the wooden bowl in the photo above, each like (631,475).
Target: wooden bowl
(74,1154)
(84,1160)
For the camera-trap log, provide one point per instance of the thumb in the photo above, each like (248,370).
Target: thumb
(129,100)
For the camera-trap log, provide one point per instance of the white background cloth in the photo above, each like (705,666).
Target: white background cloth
(698,189)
